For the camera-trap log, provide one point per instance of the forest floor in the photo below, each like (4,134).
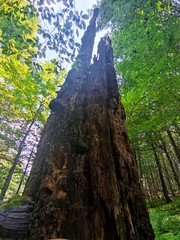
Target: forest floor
(165,219)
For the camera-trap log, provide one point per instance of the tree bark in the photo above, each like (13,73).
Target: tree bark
(84,180)
(14,221)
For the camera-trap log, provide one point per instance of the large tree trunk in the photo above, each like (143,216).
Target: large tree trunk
(84,181)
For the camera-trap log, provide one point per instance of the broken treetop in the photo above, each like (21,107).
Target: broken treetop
(81,67)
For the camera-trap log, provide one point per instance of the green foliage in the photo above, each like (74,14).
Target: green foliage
(145,40)
(26,85)
(20,40)
(145,37)
(81,146)
(59,24)
(54,25)
(14,202)
(165,220)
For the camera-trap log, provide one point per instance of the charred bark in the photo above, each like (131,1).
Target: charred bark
(84,181)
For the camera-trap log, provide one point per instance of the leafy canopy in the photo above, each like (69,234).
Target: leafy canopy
(145,37)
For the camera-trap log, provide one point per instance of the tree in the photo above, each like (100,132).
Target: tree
(25,97)
(26,84)
(84,181)
(17,156)
(145,37)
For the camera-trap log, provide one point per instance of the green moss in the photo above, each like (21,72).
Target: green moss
(165,219)
(82,144)
(14,202)
(82,147)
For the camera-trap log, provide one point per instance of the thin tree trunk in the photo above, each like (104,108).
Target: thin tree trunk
(137,157)
(146,180)
(154,186)
(149,190)
(164,187)
(167,177)
(16,159)
(13,167)
(84,181)
(156,183)
(176,150)
(25,170)
(178,129)
(176,178)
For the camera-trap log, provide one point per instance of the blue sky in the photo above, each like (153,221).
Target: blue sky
(84,4)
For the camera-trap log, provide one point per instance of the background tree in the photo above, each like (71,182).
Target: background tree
(27,84)
(145,38)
